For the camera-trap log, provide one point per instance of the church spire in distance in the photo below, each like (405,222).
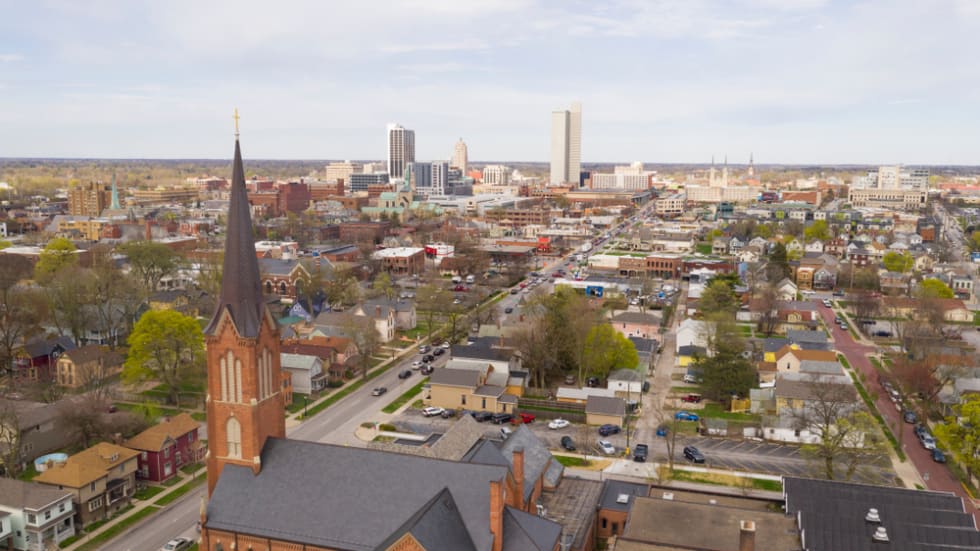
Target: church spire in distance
(115,194)
(241,288)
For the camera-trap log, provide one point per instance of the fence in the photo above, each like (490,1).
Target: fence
(552,409)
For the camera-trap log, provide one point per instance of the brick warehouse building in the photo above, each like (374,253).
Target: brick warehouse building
(267,492)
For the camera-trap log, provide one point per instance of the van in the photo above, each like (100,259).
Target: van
(471,279)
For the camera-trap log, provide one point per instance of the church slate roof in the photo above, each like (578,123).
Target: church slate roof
(370,495)
(241,288)
(526,531)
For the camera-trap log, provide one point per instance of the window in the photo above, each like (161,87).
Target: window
(190,436)
(31,518)
(143,456)
(95,504)
(91,486)
(47,515)
(61,507)
(166,453)
(462,399)
(615,528)
(234,431)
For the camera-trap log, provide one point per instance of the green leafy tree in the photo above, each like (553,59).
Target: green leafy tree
(974,241)
(607,350)
(151,261)
(960,434)
(168,347)
(762,230)
(342,289)
(431,301)
(934,288)
(4,244)
(718,297)
(713,234)
(725,373)
(383,286)
(817,230)
(57,254)
(894,261)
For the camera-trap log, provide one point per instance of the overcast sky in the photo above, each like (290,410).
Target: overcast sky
(794,81)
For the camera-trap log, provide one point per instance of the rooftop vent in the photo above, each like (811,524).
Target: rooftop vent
(873,516)
(623,498)
(880,535)
(669,496)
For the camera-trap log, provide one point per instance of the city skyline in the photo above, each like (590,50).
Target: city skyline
(798,82)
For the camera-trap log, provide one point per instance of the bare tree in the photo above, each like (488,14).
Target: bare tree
(767,300)
(362,331)
(10,439)
(21,309)
(864,304)
(84,418)
(846,435)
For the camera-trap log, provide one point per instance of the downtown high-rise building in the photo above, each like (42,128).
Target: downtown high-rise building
(460,156)
(566,145)
(401,149)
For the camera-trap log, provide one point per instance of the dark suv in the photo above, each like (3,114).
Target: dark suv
(693,454)
(606,430)
(567,444)
(501,418)
(482,416)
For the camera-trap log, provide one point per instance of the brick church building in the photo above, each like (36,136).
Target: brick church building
(266,492)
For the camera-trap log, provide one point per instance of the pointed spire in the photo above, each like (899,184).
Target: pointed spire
(241,289)
(115,195)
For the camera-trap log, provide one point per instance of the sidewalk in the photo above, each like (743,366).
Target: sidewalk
(138,506)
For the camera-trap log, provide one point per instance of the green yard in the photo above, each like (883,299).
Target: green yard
(405,397)
(570,461)
(716,411)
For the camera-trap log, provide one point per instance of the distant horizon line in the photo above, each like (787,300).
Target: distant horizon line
(499,162)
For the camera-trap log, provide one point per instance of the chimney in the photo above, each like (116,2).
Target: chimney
(149,234)
(746,535)
(377,311)
(519,477)
(497,514)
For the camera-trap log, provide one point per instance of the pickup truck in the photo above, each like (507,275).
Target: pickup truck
(640,453)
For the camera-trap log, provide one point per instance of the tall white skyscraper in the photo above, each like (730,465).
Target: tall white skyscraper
(401,149)
(566,145)
(460,158)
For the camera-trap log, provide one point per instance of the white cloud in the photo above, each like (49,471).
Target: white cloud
(8,58)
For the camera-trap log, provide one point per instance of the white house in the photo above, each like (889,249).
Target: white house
(306,371)
(815,246)
(691,332)
(35,517)
(625,382)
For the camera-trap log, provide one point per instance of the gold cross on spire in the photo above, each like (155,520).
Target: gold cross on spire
(236,122)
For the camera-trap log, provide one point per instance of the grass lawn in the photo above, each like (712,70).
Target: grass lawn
(405,397)
(118,528)
(298,401)
(191,468)
(727,480)
(745,330)
(181,490)
(148,492)
(717,412)
(570,461)
(684,389)
(199,416)
(703,248)
(28,474)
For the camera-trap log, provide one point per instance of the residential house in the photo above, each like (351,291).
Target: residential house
(87,365)
(404,311)
(581,395)
(836,247)
(34,517)
(719,245)
(893,283)
(859,256)
(953,309)
(336,324)
(603,410)
(749,255)
(42,427)
(687,354)
(691,332)
(790,358)
(458,388)
(628,383)
(306,372)
(101,479)
(285,277)
(735,245)
(825,277)
(786,289)
(794,249)
(814,246)
(485,352)
(35,361)
(804,276)
(166,447)
(336,364)
(806,339)
(636,324)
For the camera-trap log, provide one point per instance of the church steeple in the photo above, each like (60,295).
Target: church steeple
(244,403)
(115,195)
(241,288)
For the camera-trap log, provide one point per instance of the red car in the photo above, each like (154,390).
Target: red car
(460,288)
(691,398)
(522,418)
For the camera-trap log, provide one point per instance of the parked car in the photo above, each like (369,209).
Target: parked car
(416,364)
(514,291)
(445,345)
(423,349)
(826,303)
(501,418)
(662,430)
(646,386)
(592,382)
(606,430)
(426,370)
(686,416)
(928,442)
(567,444)
(843,327)
(837,319)
(640,453)
(505,432)
(692,398)
(938,456)
(405,374)
(432,411)
(910,417)
(569,379)
(482,416)
(177,544)
(428,358)
(439,352)
(522,418)
(558,424)
(606,447)
(379,391)
(919,430)
(688,378)
(447,413)
(693,454)
(508,310)
(838,293)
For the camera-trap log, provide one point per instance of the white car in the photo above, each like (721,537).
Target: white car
(177,544)
(446,345)
(416,364)
(558,424)
(432,411)
(606,447)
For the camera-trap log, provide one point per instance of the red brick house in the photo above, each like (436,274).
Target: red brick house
(167,446)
